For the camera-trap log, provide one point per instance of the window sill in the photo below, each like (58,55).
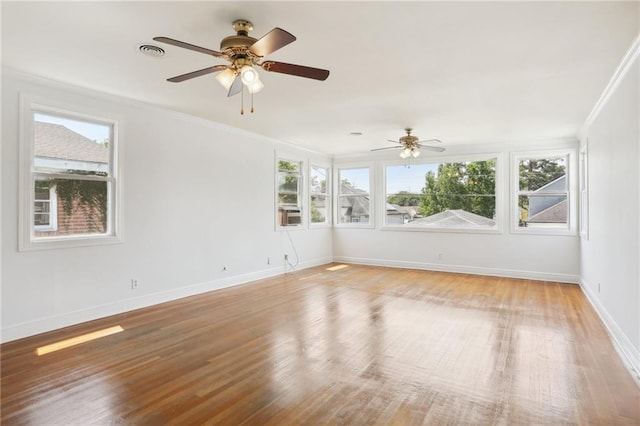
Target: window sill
(495,230)
(545,232)
(52,243)
(354,226)
(320,226)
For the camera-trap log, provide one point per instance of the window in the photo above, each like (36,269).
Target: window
(542,201)
(68,184)
(449,195)
(289,184)
(354,198)
(584,192)
(319,198)
(45,217)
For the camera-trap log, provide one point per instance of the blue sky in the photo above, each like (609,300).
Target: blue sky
(402,177)
(408,177)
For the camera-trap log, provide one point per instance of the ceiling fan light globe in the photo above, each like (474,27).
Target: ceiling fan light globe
(255,87)
(225,78)
(403,154)
(415,153)
(248,75)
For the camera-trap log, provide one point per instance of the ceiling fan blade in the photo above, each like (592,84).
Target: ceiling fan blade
(193,74)
(297,70)
(270,42)
(432,148)
(389,147)
(431,141)
(236,87)
(389,140)
(184,45)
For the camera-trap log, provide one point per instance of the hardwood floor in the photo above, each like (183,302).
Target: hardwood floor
(358,345)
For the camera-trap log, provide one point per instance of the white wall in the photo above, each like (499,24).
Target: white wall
(610,257)
(542,257)
(198,196)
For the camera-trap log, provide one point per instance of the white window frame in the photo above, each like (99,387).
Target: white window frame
(301,192)
(571,191)
(497,229)
(327,195)
(27,240)
(336,191)
(584,191)
(53,212)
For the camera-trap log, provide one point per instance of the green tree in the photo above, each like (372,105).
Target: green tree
(404,198)
(318,185)
(536,173)
(466,186)
(287,182)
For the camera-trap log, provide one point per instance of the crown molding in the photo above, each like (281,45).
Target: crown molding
(618,75)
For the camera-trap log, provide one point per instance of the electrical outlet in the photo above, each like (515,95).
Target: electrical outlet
(134,284)
(440,256)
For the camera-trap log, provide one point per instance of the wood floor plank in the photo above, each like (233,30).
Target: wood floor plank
(352,345)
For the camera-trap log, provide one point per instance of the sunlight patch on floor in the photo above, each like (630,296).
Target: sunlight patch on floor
(43,350)
(337,267)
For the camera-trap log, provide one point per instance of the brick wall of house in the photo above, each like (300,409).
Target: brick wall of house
(82,220)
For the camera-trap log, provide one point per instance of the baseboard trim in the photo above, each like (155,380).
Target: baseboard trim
(630,356)
(54,322)
(473,270)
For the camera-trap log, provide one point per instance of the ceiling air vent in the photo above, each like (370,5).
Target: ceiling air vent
(151,50)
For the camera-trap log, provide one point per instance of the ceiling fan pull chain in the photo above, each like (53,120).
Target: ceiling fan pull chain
(251,103)
(242,101)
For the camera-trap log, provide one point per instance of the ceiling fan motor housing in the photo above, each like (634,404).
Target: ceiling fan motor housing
(240,41)
(409,141)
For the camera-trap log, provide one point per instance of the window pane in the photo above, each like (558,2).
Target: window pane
(542,211)
(319,180)
(448,195)
(354,181)
(81,208)
(288,166)
(288,199)
(70,146)
(318,209)
(547,174)
(42,215)
(287,183)
(353,209)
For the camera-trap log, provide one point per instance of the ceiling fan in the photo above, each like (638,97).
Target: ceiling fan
(411,145)
(244,53)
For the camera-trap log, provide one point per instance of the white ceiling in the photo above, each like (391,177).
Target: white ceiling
(472,72)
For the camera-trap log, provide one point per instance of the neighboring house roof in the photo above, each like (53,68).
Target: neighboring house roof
(454,219)
(557,213)
(358,205)
(539,204)
(347,188)
(394,209)
(59,142)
